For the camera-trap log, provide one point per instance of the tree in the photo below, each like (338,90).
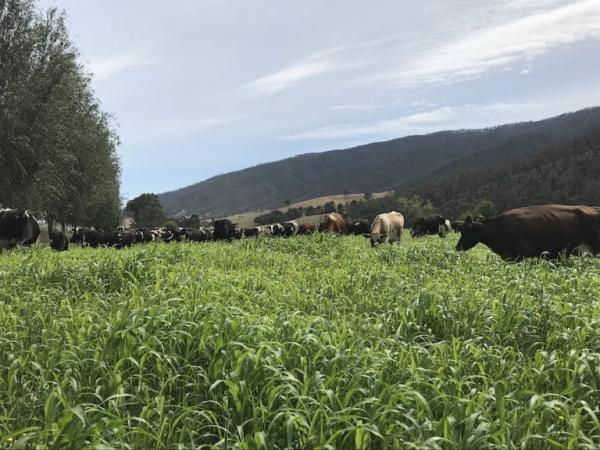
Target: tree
(170,224)
(275,216)
(486,209)
(57,148)
(368,196)
(146,210)
(329,207)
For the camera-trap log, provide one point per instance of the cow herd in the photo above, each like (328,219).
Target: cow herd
(534,231)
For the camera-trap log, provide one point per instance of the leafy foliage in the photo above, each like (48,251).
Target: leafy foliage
(309,342)
(57,149)
(278,216)
(146,210)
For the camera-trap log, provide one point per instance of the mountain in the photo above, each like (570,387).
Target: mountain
(566,173)
(397,164)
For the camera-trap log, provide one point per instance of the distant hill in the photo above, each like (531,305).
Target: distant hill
(397,164)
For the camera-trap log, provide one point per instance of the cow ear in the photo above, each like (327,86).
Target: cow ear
(469,221)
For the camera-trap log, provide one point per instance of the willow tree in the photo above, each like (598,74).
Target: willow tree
(57,148)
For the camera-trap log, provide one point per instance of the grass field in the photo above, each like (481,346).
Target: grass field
(311,342)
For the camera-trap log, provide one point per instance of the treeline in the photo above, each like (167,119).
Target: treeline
(564,173)
(57,148)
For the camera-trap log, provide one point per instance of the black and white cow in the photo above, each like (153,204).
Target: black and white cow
(430,225)
(17,227)
(291,228)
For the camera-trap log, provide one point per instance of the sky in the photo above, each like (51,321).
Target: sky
(203,87)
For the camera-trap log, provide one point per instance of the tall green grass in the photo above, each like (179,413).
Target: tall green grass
(310,342)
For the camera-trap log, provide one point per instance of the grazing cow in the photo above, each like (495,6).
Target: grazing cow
(91,238)
(146,235)
(291,228)
(445,228)
(129,238)
(110,239)
(58,241)
(224,230)
(332,223)
(166,235)
(253,232)
(95,238)
(387,227)
(199,235)
(362,227)
(278,230)
(534,231)
(429,225)
(306,228)
(457,225)
(179,233)
(78,236)
(17,227)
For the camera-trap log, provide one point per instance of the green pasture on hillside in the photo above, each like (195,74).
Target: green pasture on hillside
(310,342)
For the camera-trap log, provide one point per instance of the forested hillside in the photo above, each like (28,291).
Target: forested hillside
(57,148)
(563,173)
(381,166)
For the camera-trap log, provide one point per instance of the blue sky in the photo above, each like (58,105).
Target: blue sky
(203,87)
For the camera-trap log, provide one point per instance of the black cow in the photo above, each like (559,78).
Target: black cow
(58,241)
(534,231)
(429,225)
(200,235)
(361,227)
(253,232)
(17,227)
(95,238)
(129,238)
(224,230)
(78,236)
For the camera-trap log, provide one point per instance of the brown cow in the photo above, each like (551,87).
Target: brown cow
(534,231)
(306,228)
(332,223)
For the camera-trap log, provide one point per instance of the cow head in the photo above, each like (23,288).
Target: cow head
(377,238)
(470,234)
(417,229)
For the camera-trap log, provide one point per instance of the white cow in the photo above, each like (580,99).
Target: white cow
(387,227)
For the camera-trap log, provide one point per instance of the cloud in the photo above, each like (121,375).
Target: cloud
(500,45)
(422,122)
(357,107)
(317,63)
(107,67)
(398,125)
(183,127)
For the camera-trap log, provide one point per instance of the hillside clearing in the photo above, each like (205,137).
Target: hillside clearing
(307,342)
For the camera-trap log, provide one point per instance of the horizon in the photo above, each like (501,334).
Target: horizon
(203,89)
